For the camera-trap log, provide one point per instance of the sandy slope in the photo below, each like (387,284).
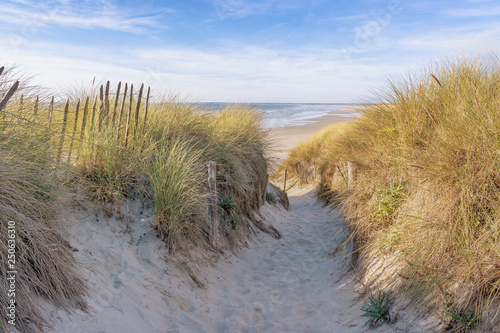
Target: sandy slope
(290,284)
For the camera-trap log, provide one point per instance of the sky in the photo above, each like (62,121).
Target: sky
(288,51)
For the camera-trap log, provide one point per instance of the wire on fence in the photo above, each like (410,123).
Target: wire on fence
(67,135)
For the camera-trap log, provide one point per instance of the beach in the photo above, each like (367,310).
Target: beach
(286,138)
(287,284)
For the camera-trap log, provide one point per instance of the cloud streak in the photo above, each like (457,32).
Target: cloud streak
(475,12)
(93,16)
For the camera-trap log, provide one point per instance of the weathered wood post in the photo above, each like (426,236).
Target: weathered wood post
(35,108)
(92,124)
(351,174)
(129,112)
(106,102)
(118,127)
(84,118)
(51,109)
(63,131)
(77,110)
(212,205)
(8,95)
(138,107)
(146,110)
(284,183)
(117,97)
(101,106)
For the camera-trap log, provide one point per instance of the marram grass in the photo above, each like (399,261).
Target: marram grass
(427,188)
(163,158)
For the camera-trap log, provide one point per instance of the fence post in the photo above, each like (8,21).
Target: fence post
(77,110)
(106,102)
(129,112)
(51,109)
(147,104)
(351,174)
(93,114)
(9,94)
(121,114)
(1,70)
(284,183)
(84,118)
(63,131)
(101,107)
(35,108)
(212,205)
(117,97)
(138,106)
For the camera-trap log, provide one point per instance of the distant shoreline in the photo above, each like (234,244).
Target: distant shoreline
(284,139)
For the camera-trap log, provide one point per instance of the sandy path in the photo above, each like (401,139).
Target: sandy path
(291,284)
(286,285)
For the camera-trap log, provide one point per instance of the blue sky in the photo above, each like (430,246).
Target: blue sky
(240,50)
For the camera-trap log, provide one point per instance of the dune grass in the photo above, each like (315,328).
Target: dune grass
(427,188)
(32,196)
(165,159)
(161,158)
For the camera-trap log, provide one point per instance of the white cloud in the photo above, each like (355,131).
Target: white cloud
(240,73)
(475,12)
(95,15)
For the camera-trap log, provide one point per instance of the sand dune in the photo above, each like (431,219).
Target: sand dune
(292,284)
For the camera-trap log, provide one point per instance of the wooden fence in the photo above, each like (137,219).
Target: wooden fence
(114,118)
(105,110)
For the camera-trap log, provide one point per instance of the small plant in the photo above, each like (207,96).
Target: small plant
(377,309)
(228,211)
(390,199)
(227,204)
(463,320)
(271,198)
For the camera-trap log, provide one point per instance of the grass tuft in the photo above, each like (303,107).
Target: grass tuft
(377,310)
(119,154)
(427,188)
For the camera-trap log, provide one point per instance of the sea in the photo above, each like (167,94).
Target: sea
(277,115)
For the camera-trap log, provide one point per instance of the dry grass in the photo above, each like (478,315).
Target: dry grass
(161,159)
(169,153)
(31,196)
(428,184)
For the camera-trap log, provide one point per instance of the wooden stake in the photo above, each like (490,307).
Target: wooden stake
(137,110)
(35,108)
(121,113)
(8,95)
(63,131)
(101,106)
(129,112)
(77,110)
(106,102)
(84,119)
(117,97)
(284,183)
(93,113)
(147,104)
(212,205)
(51,109)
